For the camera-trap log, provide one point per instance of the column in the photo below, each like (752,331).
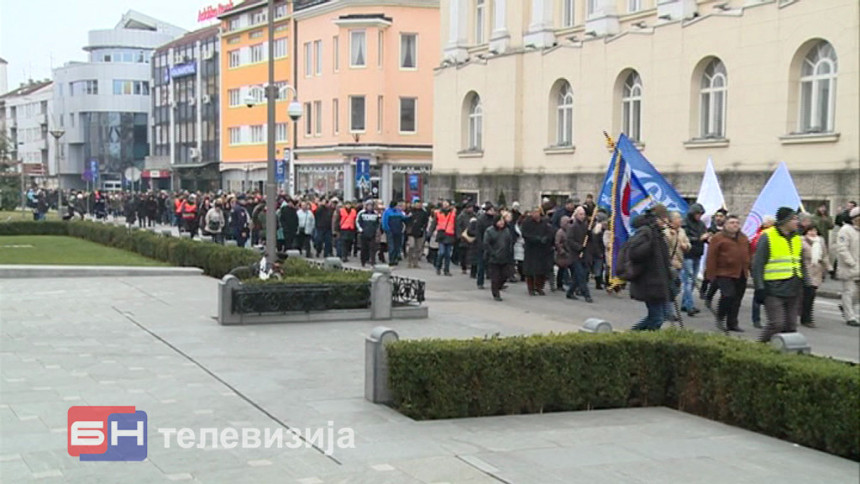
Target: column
(540,32)
(386,184)
(349,192)
(604,20)
(458,20)
(500,37)
(171,138)
(198,94)
(676,9)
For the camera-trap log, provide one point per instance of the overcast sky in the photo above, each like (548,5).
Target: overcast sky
(38,34)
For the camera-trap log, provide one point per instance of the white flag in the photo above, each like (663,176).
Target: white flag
(778,192)
(710,194)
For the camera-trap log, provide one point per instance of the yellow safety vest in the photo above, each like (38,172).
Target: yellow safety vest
(784,261)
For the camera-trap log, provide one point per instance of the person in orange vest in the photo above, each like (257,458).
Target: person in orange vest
(445,220)
(189,215)
(345,229)
(177,210)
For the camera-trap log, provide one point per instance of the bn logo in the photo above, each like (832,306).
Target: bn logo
(107,433)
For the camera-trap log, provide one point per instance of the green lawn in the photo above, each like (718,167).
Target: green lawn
(16,215)
(67,251)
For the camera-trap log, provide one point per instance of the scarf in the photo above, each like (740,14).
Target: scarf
(816,249)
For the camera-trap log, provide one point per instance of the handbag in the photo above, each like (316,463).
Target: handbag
(465,235)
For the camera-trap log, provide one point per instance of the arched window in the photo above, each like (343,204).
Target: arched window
(631,106)
(712,111)
(818,89)
(475,123)
(564,115)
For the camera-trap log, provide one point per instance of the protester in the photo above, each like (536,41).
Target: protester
(306,225)
(215,222)
(393,224)
(240,222)
(368,233)
(445,224)
(498,249)
(650,276)
(577,234)
(462,245)
(816,263)
(483,221)
(538,236)
(728,264)
(563,257)
(595,250)
(679,245)
(345,229)
(708,290)
(418,219)
(188,213)
(777,271)
(823,222)
(767,222)
(698,235)
(848,264)
(324,227)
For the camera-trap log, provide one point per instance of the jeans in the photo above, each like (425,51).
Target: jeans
(444,256)
(654,319)
(597,270)
(756,312)
(688,280)
(218,238)
(482,266)
(322,242)
(782,314)
(416,249)
(395,243)
(580,278)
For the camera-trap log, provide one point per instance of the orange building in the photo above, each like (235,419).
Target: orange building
(365,78)
(244,72)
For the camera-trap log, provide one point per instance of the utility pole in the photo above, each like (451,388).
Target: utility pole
(271,183)
(57,134)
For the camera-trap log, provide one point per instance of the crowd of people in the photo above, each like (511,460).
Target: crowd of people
(564,246)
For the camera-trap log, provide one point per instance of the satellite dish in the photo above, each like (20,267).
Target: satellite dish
(133,174)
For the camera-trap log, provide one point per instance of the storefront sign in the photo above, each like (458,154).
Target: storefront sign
(156,174)
(182,70)
(213,11)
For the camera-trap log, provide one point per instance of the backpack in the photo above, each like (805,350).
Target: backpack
(241,221)
(214,223)
(625,268)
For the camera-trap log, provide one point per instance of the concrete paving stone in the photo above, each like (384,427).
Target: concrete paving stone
(15,471)
(439,469)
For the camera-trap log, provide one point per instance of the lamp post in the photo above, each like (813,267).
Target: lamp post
(295,112)
(57,134)
(23,188)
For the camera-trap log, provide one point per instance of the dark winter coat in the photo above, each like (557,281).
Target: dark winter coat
(647,249)
(461,224)
(538,238)
(575,242)
(498,246)
(694,230)
(289,220)
(418,224)
(485,221)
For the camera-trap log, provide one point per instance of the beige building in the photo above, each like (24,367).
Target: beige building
(526,87)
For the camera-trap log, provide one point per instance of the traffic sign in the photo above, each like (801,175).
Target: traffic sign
(281,171)
(133,173)
(362,170)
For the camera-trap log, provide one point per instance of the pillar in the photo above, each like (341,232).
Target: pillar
(500,37)
(604,20)
(458,18)
(540,32)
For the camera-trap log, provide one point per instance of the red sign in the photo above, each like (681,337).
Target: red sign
(211,11)
(155,174)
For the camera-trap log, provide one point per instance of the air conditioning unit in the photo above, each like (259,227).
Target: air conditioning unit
(194,153)
(206,99)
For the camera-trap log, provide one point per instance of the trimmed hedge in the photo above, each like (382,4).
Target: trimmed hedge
(808,400)
(215,260)
(297,271)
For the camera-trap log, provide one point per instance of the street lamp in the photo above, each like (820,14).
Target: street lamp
(295,112)
(23,188)
(57,134)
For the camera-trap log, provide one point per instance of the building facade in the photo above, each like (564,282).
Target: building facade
(27,121)
(525,89)
(185,141)
(4,79)
(244,72)
(365,78)
(104,104)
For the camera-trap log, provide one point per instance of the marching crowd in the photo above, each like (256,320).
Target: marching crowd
(564,246)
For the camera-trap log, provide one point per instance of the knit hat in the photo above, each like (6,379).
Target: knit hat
(784,214)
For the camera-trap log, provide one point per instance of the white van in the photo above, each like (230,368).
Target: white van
(112,186)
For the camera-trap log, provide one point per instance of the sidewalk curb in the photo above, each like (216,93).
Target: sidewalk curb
(48,271)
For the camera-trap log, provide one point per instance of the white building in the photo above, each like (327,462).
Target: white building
(4,86)
(525,89)
(27,119)
(104,104)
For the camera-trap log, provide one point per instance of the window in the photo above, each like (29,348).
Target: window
(318,115)
(308,60)
(258,93)
(476,124)
(356,113)
(318,56)
(712,109)
(281,133)
(235,98)
(309,125)
(235,58)
(281,10)
(634,6)
(259,17)
(631,106)
(408,51)
(480,8)
(564,115)
(380,48)
(280,47)
(282,28)
(567,17)
(591,6)
(257,53)
(256,34)
(235,135)
(235,24)
(279,94)
(407,114)
(335,115)
(380,109)
(335,52)
(818,89)
(357,48)
(258,134)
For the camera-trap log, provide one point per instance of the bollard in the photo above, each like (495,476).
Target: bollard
(294,253)
(167,233)
(596,325)
(376,364)
(791,343)
(332,264)
(231,243)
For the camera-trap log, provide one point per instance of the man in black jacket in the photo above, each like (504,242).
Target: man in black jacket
(497,247)
(485,221)
(698,235)
(323,227)
(649,253)
(289,222)
(419,217)
(575,244)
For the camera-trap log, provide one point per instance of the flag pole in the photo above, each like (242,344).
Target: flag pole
(611,145)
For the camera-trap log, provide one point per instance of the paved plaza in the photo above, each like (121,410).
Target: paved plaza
(152,342)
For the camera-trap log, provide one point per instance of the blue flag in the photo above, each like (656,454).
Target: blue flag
(628,198)
(660,190)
